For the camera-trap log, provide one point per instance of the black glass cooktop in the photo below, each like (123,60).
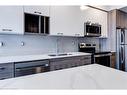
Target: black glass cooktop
(102,52)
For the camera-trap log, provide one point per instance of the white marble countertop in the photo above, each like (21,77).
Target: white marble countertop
(20,58)
(83,77)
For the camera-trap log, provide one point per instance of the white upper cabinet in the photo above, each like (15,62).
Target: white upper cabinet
(11,20)
(69,20)
(96,16)
(66,20)
(40,10)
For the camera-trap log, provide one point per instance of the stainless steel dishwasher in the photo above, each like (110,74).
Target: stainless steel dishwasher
(31,67)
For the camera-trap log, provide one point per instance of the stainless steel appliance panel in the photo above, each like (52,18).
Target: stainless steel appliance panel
(28,68)
(92,29)
(118,37)
(125,57)
(125,36)
(121,48)
(122,37)
(122,57)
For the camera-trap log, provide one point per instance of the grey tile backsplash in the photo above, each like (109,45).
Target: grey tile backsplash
(38,44)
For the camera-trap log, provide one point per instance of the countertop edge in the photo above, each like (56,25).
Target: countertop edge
(25,58)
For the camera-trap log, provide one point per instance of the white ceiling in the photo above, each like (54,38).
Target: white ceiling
(109,7)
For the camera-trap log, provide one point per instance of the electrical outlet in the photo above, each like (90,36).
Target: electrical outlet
(1,44)
(73,42)
(22,43)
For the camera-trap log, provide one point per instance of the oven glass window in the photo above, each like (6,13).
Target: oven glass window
(103,60)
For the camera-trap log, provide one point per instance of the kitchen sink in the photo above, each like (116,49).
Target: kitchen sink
(61,54)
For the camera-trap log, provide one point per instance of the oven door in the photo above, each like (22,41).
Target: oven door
(103,59)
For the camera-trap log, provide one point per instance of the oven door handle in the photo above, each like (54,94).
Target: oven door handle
(31,67)
(101,55)
(123,54)
(122,37)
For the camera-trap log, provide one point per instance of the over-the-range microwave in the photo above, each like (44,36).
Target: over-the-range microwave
(92,29)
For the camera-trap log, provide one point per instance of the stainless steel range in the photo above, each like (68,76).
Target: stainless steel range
(99,57)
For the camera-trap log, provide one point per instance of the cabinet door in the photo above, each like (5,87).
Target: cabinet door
(6,70)
(125,20)
(62,63)
(11,19)
(65,20)
(121,19)
(118,18)
(31,23)
(96,16)
(7,67)
(41,10)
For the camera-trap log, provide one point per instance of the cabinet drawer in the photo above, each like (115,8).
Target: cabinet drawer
(71,58)
(6,75)
(60,65)
(86,57)
(87,61)
(8,67)
(61,59)
(68,62)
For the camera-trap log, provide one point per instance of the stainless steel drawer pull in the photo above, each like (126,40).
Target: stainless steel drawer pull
(46,65)
(37,12)
(2,68)
(6,29)
(60,33)
(77,34)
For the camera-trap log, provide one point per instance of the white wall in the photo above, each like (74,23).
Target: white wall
(35,44)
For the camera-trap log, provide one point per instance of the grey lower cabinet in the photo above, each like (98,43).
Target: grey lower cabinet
(68,62)
(6,70)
